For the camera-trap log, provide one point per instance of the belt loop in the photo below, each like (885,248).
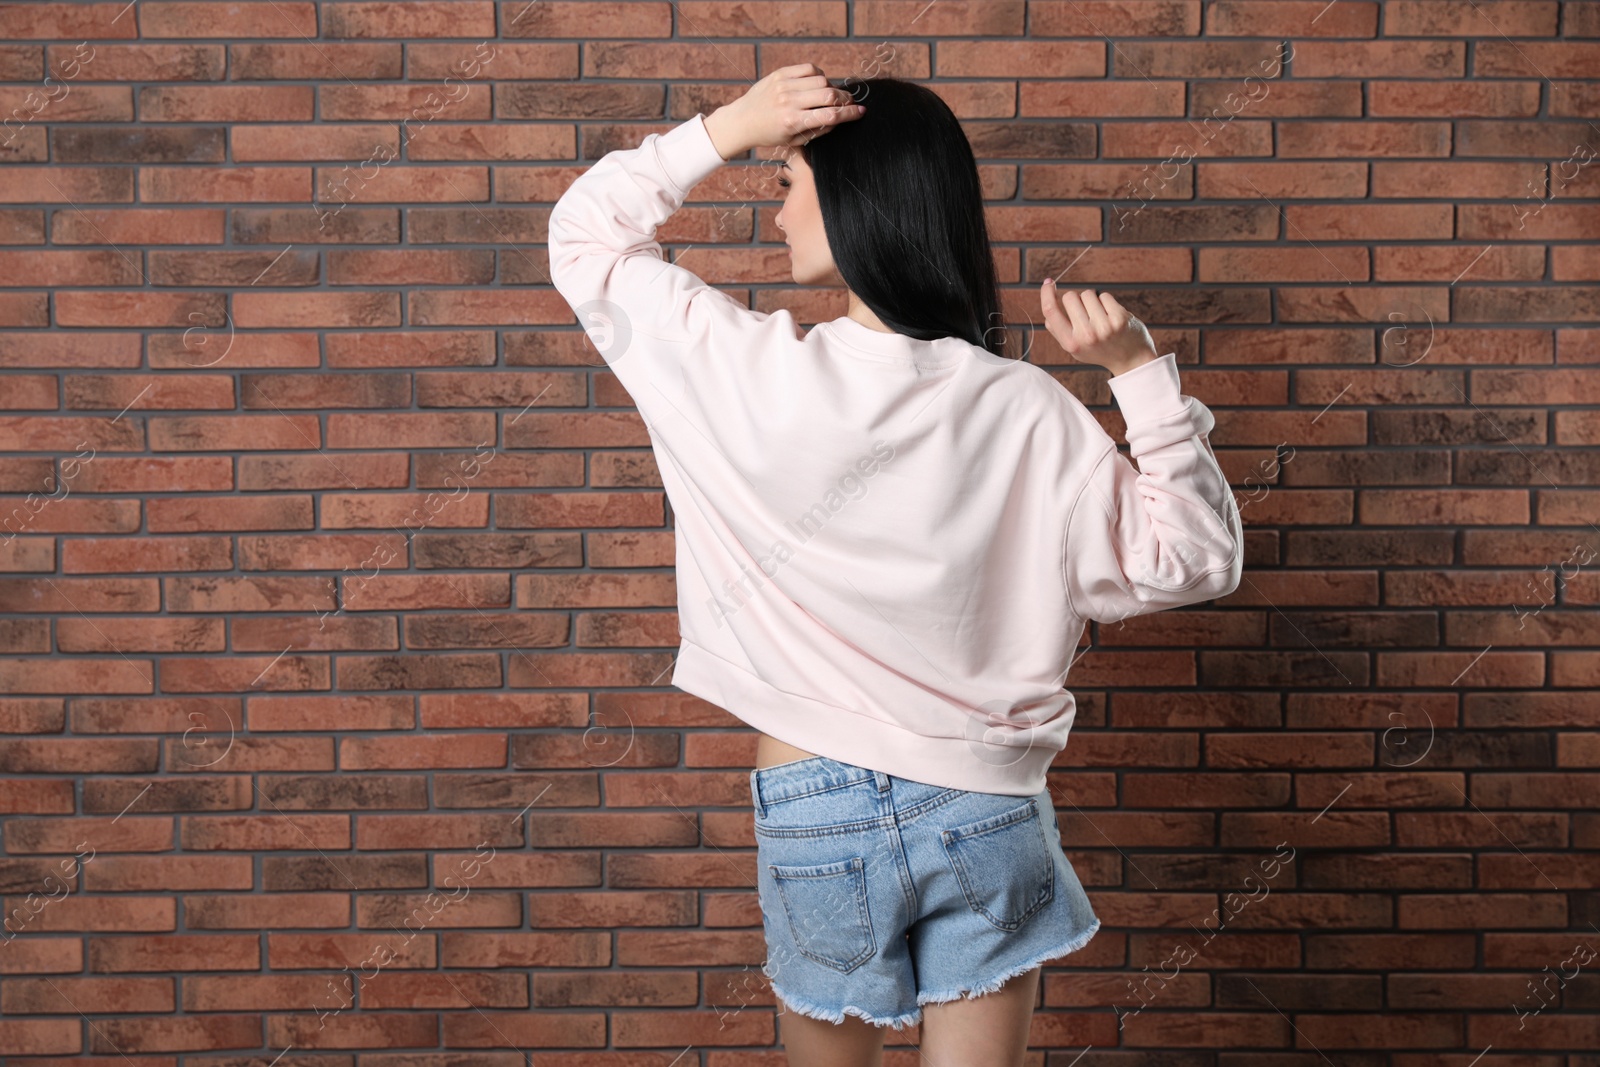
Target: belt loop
(883,781)
(755,796)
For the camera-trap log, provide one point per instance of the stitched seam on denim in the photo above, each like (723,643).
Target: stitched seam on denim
(902,868)
(856,872)
(769,799)
(827,831)
(1046,895)
(1012,925)
(951,840)
(1027,810)
(905,817)
(912,814)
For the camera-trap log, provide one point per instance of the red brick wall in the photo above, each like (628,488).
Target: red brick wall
(339,559)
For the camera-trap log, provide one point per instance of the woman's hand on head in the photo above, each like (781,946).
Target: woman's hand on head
(1095,329)
(785,109)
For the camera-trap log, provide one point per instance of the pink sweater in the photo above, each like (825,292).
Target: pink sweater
(886,548)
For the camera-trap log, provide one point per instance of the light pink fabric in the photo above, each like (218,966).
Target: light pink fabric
(886,547)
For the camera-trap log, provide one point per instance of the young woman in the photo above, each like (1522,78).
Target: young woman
(889,538)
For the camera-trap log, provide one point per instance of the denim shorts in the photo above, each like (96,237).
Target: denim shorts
(880,894)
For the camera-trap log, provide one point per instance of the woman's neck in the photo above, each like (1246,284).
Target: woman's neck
(863,314)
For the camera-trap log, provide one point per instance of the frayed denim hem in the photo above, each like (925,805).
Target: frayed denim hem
(813,1011)
(1075,945)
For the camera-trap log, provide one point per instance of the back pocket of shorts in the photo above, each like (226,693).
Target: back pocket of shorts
(826,907)
(1005,865)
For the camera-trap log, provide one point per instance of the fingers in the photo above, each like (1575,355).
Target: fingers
(834,116)
(819,120)
(1047,299)
(1095,313)
(829,105)
(1116,314)
(1073,302)
(802,76)
(1069,330)
(823,97)
(1054,320)
(1099,324)
(844,113)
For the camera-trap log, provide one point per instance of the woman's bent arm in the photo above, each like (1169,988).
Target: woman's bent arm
(1165,534)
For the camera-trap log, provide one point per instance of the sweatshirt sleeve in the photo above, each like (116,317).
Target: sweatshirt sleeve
(649,319)
(1165,534)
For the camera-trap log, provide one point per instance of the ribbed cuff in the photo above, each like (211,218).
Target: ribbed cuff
(1153,406)
(687,153)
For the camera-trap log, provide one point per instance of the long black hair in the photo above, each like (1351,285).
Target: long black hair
(903,212)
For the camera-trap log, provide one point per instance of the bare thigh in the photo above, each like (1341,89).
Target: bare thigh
(989,1031)
(809,1042)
